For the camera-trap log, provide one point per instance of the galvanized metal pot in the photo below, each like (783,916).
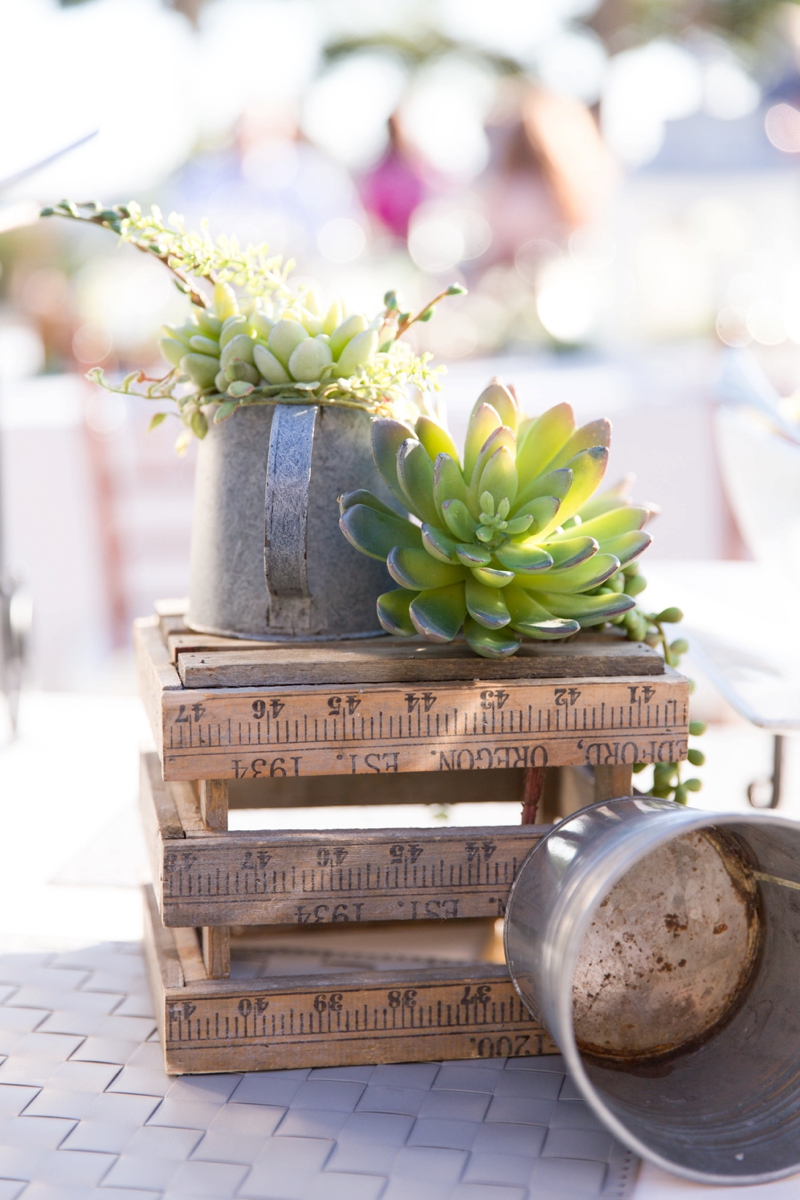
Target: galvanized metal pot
(660,946)
(268,559)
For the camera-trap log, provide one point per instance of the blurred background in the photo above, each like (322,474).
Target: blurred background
(616,183)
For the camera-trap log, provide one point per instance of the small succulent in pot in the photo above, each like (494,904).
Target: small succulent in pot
(508,542)
(271,345)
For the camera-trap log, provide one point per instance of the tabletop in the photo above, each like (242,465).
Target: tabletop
(85,1109)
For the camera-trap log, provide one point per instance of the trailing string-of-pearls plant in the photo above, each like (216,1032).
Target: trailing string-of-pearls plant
(270,344)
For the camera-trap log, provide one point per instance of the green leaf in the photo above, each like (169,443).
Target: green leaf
(502,400)
(571,551)
(362,496)
(415,569)
(482,424)
(490,643)
(387,438)
(156,420)
(458,520)
(501,436)
(456,289)
(552,483)
(375,533)
(202,344)
(530,618)
(589,610)
(499,476)
(615,496)
(439,614)
(588,574)
(435,438)
(415,474)
(393,612)
(491,577)
(526,557)
(172,349)
(543,511)
(627,546)
(543,439)
(486,604)
(473,555)
(225,410)
(269,367)
(439,545)
(199,424)
(201,368)
(239,389)
(588,468)
(596,433)
(448,484)
(610,524)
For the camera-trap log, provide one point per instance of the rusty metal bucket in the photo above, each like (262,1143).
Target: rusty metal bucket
(660,946)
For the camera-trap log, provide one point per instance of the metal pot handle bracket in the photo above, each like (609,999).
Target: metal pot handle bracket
(291,442)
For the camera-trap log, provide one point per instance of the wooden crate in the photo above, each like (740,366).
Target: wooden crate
(347,1012)
(375,721)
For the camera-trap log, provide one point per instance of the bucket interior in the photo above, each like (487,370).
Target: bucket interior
(686,1000)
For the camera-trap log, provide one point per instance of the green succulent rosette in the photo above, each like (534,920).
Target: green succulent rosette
(508,542)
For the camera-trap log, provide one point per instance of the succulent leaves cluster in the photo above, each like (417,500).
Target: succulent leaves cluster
(275,345)
(508,542)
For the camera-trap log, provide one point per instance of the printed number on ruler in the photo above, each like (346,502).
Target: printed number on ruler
(303,881)
(490,1016)
(456,727)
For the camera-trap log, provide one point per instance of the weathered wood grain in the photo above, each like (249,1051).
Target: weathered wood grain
(303,878)
(613,780)
(214,803)
(216,944)
(192,962)
(396,661)
(155,673)
(187,804)
(161,796)
(161,952)
(412,1014)
(180,642)
(159,817)
(228,733)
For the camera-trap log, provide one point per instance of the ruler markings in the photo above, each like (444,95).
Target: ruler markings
(430,721)
(406,1012)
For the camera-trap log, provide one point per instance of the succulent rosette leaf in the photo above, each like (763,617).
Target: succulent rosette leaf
(507,541)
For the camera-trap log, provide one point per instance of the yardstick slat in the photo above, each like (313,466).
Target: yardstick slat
(394,661)
(336,876)
(406,1014)
(373,728)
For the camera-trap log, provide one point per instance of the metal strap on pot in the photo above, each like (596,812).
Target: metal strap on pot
(291,442)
